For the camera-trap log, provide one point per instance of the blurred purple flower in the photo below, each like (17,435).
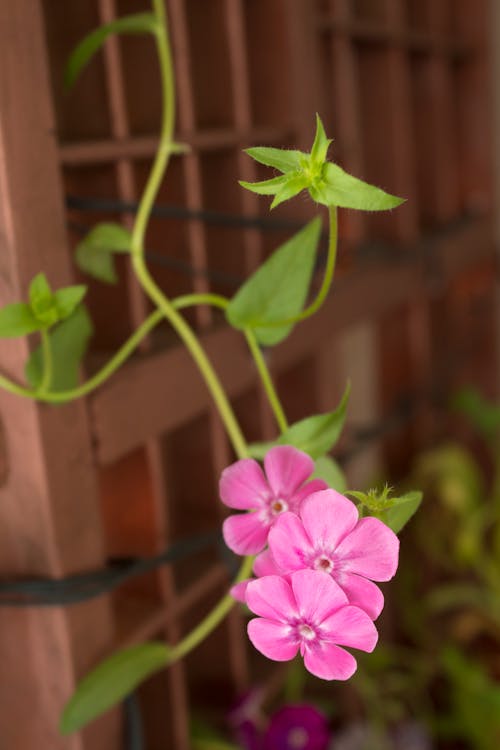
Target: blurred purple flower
(299,727)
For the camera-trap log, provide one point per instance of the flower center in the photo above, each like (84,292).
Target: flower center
(297,738)
(278,506)
(306,632)
(323,563)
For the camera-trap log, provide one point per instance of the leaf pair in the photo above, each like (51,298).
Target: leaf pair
(45,308)
(327,183)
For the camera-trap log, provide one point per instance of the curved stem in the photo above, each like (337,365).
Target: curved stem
(137,244)
(97,379)
(179,303)
(197,352)
(210,622)
(167,128)
(47,362)
(266,380)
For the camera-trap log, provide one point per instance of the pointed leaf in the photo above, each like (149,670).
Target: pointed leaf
(403,509)
(138,23)
(42,301)
(285,160)
(316,435)
(321,143)
(278,289)
(339,188)
(40,293)
(266,187)
(110,682)
(17,319)
(329,470)
(68,343)
(292,187)
(94,253)
(68,298)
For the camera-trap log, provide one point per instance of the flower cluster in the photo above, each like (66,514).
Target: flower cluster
(314,590)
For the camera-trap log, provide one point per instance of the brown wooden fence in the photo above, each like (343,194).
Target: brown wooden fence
(403,87)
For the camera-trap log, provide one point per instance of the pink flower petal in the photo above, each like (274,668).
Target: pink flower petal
(245,533)
(243,485)
(350,626)
(272,639)
(328,517)
(286,469)
(315,485)
(265,565)
(329,662)
(371,550)
(363,593)
(289,543)
(238,591)
(317,595)
(272,597)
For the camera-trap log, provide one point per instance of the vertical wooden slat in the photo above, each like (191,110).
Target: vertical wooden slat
(399,142)
(435,100)
(50,515)
(191,161)
(348,114)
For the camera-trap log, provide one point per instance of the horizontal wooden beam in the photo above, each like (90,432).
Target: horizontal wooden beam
(148,398)
(144,147)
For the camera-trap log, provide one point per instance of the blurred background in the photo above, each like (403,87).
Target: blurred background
(407,89)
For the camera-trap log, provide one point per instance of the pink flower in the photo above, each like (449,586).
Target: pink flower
(244,486)
(310,614)
(328,535)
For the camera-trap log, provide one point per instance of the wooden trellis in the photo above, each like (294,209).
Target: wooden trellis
(403,87)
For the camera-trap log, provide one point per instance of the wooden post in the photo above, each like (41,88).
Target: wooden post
(48,503)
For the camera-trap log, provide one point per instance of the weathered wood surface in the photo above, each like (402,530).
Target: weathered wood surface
(50,524)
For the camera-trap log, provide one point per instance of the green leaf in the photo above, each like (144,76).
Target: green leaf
(40,293)
(94,253)
(68,343)
(329,470)
(259,450)
(278,289)
(138,23)
(283,159)
(17,319)
(68,298)
(292,187)
(338,188)
(484,415)
(321,143)
(42,301)
(110,682)
(403,509)
(316,435)
(266,187)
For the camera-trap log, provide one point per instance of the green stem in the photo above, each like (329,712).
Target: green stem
(266,380)
(210,622)
(179,303)
(97,379)
(194,347)
(137,243)
(47,362)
